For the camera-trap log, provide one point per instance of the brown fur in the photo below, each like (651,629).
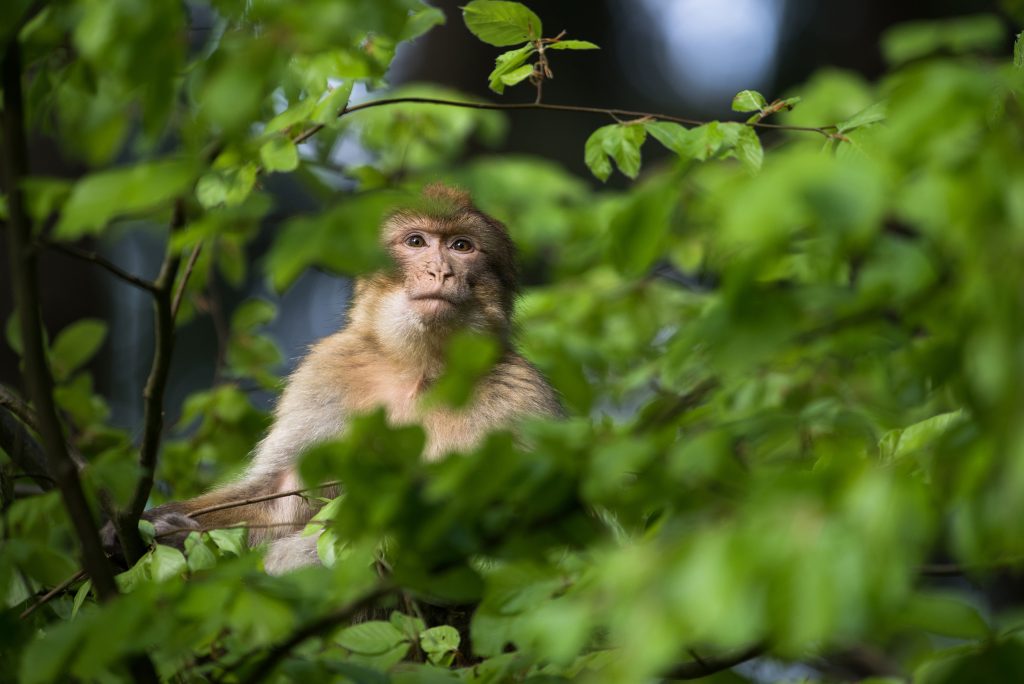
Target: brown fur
(389,353)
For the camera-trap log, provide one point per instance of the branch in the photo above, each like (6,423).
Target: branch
(180,292)
(258,499)
(244,526)
(25,288)
(127,520)
(23,449)
(320,626)
(13,403)
(53,592)
(110,266)
(702,667)
(310,132)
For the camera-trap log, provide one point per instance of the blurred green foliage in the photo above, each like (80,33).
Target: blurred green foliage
(795,376)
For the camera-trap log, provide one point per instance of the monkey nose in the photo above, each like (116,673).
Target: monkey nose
(439,271)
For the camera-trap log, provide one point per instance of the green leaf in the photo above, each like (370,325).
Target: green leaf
(1018,51)
(748,101)
(279,154)
(99,197)
(80,596)
(594,156)
(749,150)
(517,75)
(231,541)
(622,143)
(409,626)
(327,110)
(572,45)
(167,562)
(866,117)
(502,23)
(440,640)
(200,556)
(75,345)
(673,136)
(506,63)
(370,638)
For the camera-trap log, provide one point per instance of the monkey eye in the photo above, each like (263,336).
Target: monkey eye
(462,245)
(415,241)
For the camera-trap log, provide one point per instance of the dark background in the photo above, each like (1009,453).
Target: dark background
(683,57)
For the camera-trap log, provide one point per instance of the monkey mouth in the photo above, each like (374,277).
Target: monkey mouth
(433,303)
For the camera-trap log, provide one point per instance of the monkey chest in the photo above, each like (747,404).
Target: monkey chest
(446,430)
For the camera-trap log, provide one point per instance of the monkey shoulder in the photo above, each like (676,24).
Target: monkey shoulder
(516,388)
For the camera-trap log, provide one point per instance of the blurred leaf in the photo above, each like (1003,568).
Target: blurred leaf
(501,23)
(99,197)
(420,21)
(622,143)
(910,41)
(75,345)
(343,239)
(866,117)
(749,150)
(279,154)
(229,187)
(945,614)
(468,357)
(896,444)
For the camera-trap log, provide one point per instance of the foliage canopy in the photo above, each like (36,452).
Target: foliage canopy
(795,376)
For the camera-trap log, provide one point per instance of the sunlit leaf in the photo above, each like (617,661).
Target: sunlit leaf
(501,23)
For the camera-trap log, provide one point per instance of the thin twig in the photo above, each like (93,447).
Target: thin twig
(244,526)
(176,303)
(53,592)
(110,266)
(310,132)
(702,667)
(127,520)
(259,499)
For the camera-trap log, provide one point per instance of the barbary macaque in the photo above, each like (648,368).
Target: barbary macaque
(454,269)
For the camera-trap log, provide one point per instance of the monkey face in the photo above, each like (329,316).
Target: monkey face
(440,268)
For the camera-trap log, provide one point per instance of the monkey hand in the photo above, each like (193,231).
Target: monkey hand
(170,528)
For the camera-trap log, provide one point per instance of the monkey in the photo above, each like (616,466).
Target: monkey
(453,268)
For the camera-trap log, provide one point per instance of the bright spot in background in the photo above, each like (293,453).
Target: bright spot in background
(706,50)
